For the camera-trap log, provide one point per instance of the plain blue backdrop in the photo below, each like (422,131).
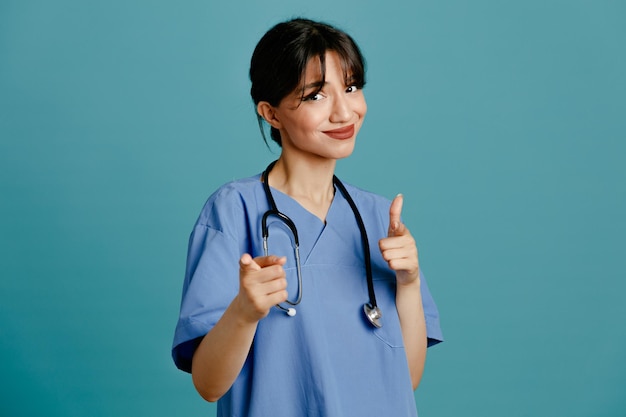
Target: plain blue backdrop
(502,122)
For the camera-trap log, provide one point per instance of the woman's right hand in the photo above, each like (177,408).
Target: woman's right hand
(262,285)
(224,349)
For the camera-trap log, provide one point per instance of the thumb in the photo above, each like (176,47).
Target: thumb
(395,213)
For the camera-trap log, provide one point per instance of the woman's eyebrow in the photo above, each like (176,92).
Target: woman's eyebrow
(315,84)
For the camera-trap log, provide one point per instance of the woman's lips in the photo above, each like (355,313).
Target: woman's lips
(342,133)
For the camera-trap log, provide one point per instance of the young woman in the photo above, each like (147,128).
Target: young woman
(303,296)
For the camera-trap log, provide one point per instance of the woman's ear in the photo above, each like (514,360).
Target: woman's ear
(267,112)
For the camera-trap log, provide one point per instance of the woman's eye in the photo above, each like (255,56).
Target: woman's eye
(313,97)
(352,89)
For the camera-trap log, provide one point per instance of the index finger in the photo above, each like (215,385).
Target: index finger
(270,260)
(246,263)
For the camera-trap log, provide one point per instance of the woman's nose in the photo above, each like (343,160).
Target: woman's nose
(341,111)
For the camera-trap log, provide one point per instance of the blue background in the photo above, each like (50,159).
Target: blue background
(502,122)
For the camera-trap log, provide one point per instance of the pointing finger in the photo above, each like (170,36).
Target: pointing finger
(263,261)
(246,263)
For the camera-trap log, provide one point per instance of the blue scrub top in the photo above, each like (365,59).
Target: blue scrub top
(328,360)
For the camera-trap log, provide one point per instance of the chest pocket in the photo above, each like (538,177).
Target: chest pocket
(391,332)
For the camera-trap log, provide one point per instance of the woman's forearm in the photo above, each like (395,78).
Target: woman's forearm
(413,325)
(219,358)
(222,353)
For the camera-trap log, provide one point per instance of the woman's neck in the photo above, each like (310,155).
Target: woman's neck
(310,183)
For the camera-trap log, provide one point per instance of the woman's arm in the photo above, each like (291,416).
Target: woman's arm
(400,252)
(413,324)
(222,353)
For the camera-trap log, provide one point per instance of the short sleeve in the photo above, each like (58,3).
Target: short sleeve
(431,314)
(211,283)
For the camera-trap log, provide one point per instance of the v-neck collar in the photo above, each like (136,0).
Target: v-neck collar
(294,205)
(311,228)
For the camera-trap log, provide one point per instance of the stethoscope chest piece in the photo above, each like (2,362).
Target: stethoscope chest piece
(373,314)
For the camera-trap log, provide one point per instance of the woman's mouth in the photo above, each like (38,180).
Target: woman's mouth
(341,133)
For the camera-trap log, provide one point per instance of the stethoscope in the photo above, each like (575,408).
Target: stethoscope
(372,312)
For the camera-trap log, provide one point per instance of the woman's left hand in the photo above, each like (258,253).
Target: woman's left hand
(400,252)
(398,248)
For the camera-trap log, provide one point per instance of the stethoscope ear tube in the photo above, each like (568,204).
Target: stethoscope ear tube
(296,249)
(285,219)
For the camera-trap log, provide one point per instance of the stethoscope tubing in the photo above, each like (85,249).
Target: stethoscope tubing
(364,242)
(296,248)
(371,309)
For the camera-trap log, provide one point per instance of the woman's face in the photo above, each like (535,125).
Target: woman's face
(323,124)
